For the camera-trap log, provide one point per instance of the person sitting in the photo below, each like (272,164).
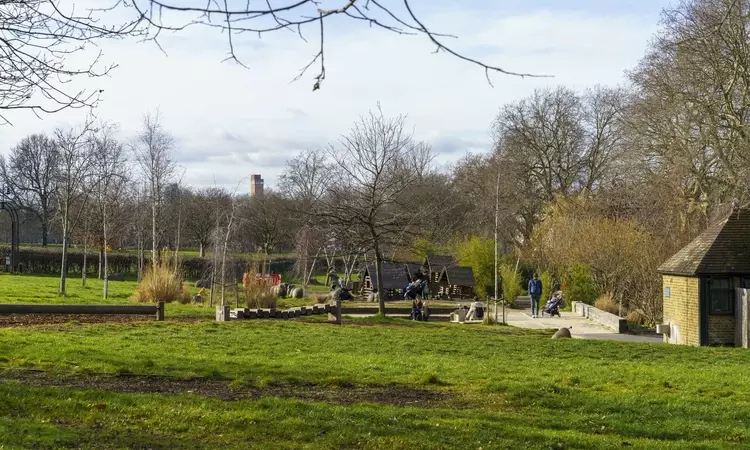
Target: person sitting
(476,312)
(459,315)
(416,310)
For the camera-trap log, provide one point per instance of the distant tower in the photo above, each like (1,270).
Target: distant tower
(256,186)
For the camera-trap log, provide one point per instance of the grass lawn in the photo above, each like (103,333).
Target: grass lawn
(371,383)
(44,289)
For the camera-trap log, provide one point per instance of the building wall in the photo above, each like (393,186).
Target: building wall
(721,330)
(682,309)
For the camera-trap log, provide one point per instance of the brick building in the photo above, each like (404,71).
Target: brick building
(703,285)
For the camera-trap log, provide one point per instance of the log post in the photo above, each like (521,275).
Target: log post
(160,311)
(334,316)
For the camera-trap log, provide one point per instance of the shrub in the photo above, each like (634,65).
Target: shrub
(162,283)
(511,282)
(579,286)
(479,254)
(259,292)
(635,316)
(606,303)
(546,280)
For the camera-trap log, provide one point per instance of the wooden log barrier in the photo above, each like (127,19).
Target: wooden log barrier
(157,310)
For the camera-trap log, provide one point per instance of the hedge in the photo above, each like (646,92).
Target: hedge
(47,261)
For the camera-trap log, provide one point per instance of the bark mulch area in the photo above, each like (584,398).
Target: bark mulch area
(396,395)
(21,320)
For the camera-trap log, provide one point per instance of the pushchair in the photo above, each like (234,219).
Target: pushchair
(553,305)
(414,289)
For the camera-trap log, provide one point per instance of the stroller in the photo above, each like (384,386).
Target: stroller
(414,289)
(553,305)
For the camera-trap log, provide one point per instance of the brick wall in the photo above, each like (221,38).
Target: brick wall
(721,330)
(681,309)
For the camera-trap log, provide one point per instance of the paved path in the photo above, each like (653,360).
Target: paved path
(580,327)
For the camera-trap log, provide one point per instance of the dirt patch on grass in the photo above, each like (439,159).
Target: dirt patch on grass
(397,395)
(22,320)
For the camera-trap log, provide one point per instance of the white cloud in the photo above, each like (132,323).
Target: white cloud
(230,122)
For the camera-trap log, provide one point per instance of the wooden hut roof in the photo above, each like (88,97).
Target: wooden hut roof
(394,275)
(459,276)
(437,262)
(723,249)
(412,268)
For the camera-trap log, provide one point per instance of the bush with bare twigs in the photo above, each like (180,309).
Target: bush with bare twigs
(162,283)
(259,291)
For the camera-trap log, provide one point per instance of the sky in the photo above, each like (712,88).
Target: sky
(230,121)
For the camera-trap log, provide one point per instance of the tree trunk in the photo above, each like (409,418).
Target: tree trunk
(105,292)
(140,256)
(202,250)
(85,251)
(64,266)
(45,229)
(101,261)
(154,256)
(224,254)
(379,274)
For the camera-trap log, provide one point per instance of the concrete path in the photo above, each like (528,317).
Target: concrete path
(580,327)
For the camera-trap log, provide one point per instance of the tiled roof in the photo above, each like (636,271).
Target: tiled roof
(394,275)
(460,276)
(437,262)
(723,249)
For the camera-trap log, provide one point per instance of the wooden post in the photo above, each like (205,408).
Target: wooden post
(334,316)
(222,313)
(160,311)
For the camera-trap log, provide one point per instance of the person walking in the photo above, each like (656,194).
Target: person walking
(535,292)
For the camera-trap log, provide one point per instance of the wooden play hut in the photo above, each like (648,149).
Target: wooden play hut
(434,265)
(395,279)
(457,282)
(706,284)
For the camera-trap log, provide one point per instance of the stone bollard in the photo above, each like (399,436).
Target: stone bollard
(334,316)
(222,313)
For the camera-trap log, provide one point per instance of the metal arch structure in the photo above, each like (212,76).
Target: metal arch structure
(14,239)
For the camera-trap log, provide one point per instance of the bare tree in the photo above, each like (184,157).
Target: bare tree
(295,16)
(689,116)
(377,164)
(202,207)
(265,221)
(30,173)
(153,150)
(110,178)
(73,188)
(304,178)
(38,40)
(137,192)
(304,181)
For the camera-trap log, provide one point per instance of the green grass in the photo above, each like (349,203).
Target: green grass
(499,387)
(45,290)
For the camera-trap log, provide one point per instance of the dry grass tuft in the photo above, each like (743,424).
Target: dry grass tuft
(162,282)
(605,303)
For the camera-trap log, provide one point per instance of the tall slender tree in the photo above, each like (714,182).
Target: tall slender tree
(153,149)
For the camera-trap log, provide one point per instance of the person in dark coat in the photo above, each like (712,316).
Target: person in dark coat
(535,292)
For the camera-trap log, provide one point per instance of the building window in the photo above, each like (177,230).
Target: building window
(720,297)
